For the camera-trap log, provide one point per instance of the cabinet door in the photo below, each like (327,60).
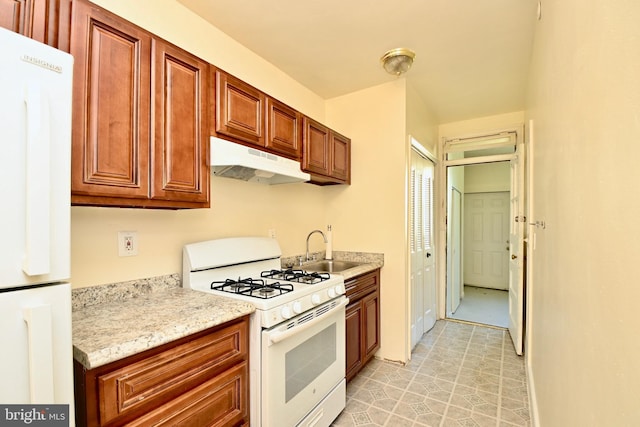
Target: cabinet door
(37,19)
(239,109)
(315,153)
(283,129)
(340,158)
(111,97)
(371,327)
(353,331)
(181,126)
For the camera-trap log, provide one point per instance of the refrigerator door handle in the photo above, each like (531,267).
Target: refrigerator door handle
(38,227)
(38,320)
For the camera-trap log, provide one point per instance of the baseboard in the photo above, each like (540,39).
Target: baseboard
(533,401)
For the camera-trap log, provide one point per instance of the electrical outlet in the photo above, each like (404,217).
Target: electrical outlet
(272,233)
(127,243)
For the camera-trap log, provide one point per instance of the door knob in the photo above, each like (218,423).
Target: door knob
(428,254)
(514,256)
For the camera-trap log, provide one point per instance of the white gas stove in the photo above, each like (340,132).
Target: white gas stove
(297,340)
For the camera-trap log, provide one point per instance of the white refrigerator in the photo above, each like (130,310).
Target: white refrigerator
(36,361)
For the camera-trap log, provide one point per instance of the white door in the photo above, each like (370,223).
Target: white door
(423,290)
(486,240)
(455,251)
(516,239)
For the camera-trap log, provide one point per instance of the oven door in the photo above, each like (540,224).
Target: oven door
(303,359)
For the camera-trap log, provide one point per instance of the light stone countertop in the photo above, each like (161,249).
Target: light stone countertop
(113,330)
(111,322)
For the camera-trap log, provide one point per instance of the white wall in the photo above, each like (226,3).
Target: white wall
(584,100)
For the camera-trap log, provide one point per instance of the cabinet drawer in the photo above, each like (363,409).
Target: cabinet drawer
(360,286)
(152,381)
(221,401)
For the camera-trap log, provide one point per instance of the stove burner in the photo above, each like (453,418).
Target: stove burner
(299,276)
(257,288)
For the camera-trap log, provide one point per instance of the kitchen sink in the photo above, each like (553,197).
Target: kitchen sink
(330,266)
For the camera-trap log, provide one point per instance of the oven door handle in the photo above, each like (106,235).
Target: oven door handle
(281,336)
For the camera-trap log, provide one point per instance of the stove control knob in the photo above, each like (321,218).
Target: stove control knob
(297,307)
(286,312)
(331,292)
(315,299)
(339,289)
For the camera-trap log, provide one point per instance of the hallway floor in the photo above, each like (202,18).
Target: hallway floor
(459,375)
(483,305)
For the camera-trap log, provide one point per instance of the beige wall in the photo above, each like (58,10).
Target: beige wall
(480,125)
(238,209)
(370,215)
(584,100)
(487,177)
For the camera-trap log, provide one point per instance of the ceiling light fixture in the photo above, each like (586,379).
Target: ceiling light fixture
(397,61)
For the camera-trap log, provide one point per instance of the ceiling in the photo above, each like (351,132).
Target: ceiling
(472,56)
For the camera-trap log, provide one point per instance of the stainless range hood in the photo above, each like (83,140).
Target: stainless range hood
(231,160)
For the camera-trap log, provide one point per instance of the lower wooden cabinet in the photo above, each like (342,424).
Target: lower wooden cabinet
(200,380)
(362,321)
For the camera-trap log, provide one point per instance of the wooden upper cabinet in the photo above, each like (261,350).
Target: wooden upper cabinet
(284,125)
(340,159)
(239,109)
(181,139)
(326,154)
(248,116)
(122,154)
(315,153)
(111,98)
(43,20)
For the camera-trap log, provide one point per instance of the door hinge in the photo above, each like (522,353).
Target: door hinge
(520,218)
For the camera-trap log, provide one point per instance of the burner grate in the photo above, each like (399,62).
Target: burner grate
(256,288)
(299,276)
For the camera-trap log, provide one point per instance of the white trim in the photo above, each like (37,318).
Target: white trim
(422,150)
(533,401)
(517,129)
(479,160)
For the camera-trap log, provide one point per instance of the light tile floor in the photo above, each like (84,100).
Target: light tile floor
(459,375)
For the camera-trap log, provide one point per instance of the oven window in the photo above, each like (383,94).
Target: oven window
(309,360)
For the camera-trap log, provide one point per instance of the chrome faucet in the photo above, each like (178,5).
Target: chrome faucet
(309,235)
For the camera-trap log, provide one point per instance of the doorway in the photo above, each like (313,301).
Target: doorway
(484,230)
(479,291)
